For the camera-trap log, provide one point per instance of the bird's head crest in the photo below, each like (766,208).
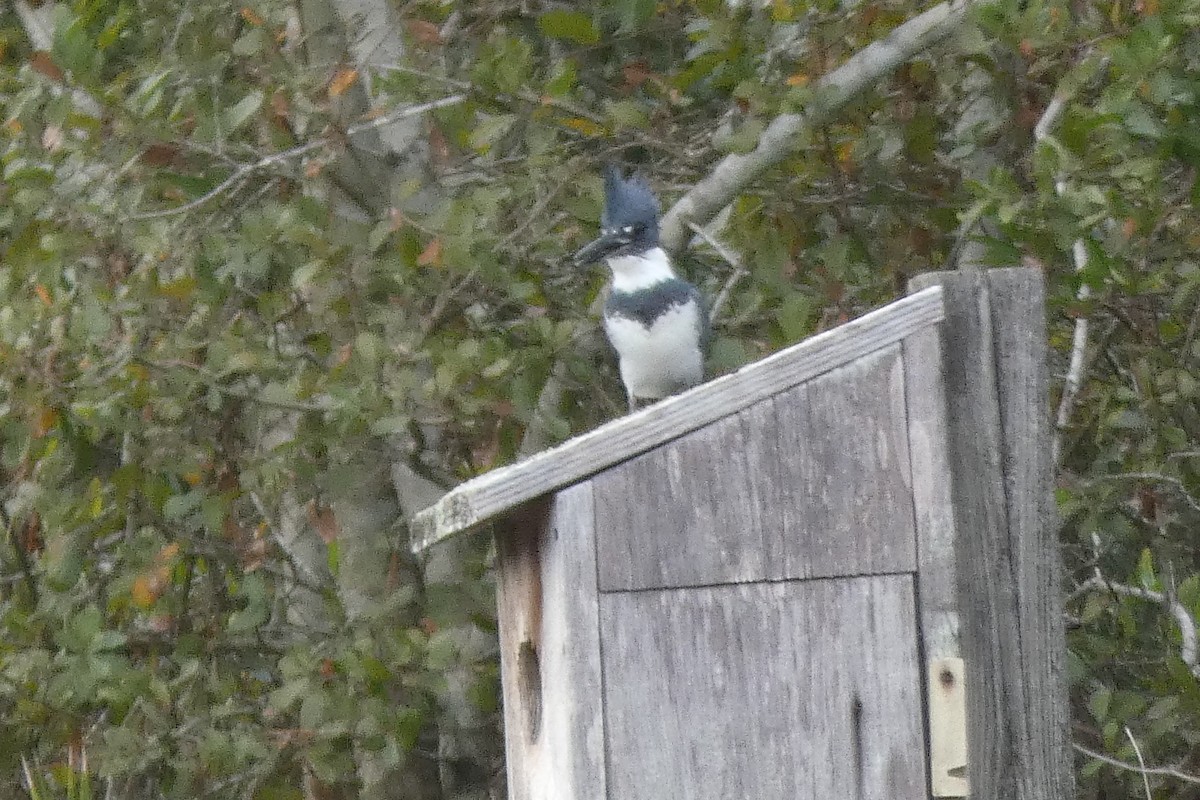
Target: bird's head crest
(627,200)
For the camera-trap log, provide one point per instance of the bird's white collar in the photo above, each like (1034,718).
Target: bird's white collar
(632,273)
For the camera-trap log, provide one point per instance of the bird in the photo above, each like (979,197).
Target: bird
(656,321)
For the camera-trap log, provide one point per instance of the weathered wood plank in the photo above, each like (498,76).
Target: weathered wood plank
(481,499)
(779,691)
(925,391)
(1018,306)
(937,556)
(843,490)
(812,483)
(976,444)
(1009,606)
(684,514)
(550,650)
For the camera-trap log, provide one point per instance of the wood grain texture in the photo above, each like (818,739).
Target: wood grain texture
(844,488)
(994,346)
(781,691)
(933,495)
(550,650)
(937,555)
(937,531)
(1018,306)
(811,483)
(478,501)
(987,600)
(684,514)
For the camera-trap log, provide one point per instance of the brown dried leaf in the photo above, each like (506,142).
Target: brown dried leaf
(424,32)
(342,80)
(43,62)
(145,591)
(280,109)
(44,421)
(431,256)
(439,147)
(159,154)
(31,534)
(635,74)
(322,518)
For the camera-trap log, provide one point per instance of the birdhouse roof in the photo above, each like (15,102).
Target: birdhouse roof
(493,494)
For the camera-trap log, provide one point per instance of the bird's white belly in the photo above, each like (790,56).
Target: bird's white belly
(661,360)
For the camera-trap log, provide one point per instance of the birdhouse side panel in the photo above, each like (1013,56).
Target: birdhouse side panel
(839,480)
(550,649)
(813,482)
(799,690)
(685,513)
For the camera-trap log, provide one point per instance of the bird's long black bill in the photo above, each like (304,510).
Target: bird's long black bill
(597,250)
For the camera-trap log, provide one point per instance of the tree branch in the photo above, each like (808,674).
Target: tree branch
(246,170)
(1156,477)
(1137,750)
(732,258)
(1169,772)
(1183,619)
(864,69)
(1074,378)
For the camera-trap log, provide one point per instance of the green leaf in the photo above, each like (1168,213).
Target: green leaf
(1145,570)
(240,114)
(181,505)
(386,426)
(727,354)
(635,13)
(333,557)
(627,114)
(795,316)
(562,79)
(744,139)
(573,25)
(489,131)
(1098,704)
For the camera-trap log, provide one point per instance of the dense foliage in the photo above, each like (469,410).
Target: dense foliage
(228,306)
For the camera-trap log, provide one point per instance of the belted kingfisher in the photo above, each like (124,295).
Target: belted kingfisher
(656,321)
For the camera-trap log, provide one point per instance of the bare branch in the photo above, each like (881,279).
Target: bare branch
(1141,762)
(538,435)
(1074,377)
(1168,772)
(246,170)
(1051,116)
(833,92)
(213,382)
(1156,477)
(733,259)
(38,23)
(1183,619)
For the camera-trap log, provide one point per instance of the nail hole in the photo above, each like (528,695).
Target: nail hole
(947,678)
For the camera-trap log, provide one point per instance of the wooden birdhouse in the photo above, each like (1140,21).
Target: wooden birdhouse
(831,574)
